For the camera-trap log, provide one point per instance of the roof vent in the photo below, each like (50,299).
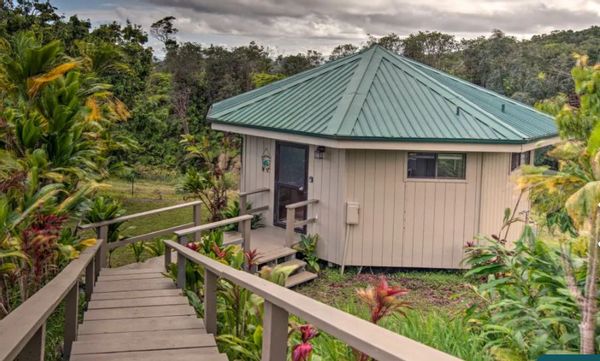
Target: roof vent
(457,110)
(503,108)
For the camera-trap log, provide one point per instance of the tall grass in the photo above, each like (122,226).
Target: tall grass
(440,331)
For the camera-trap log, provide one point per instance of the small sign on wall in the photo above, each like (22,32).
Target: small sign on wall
(266,161)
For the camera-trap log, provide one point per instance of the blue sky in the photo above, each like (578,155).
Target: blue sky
(290,26)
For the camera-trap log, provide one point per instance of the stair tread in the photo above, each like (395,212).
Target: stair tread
(165,323)
(275,254)
(186,354)
(293,262)
(299,278)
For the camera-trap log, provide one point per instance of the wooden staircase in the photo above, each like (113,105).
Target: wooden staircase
(277,255)
(139,315)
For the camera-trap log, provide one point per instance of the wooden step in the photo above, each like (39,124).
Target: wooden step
(132,276)
(141,324)
(134,285)
(187,354)
(141,342)
(128,271)
(275,254)
(298,278)
(110,337)
(139,312)
(117,295)
(138,302)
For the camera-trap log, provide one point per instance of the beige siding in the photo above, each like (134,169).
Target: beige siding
(402,222)
(498,192)
(253,177)
(328,185)
(405,222)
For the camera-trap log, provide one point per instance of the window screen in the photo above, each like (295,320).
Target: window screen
(437,165)
(517,159)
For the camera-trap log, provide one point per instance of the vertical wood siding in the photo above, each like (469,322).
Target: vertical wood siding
(252,175)
(402,222)
(328,186)
(409,223)
(499,192)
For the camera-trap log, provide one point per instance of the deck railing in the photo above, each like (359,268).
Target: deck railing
(23,331)
(292,223)
(244,201)
(101,228)
(280,303)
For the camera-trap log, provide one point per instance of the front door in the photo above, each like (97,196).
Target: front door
(291,175)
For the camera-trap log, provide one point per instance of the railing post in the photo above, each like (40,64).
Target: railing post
(210,301)
(181,265)
(167,257)
(290,221)
(275,333)
(97,260)
(34,350)
(242,211)
(197,221)
(89,280)
(102,233)
(247,235)
(71,315)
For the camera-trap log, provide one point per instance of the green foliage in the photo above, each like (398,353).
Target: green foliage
(528,309)
(104,208)
(262,79)
(308,249)
(233,210)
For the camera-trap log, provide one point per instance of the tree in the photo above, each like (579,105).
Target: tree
(575,191)
(391,42)
(164,31)
(343,50)
(431,48)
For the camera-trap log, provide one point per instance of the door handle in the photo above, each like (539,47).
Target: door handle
(301,189)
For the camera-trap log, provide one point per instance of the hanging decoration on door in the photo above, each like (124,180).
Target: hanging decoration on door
(266,161)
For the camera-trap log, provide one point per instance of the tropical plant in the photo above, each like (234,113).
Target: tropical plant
(308,250)
(216,154)
(233,210)
(105,208)
(137,249)
(303,350)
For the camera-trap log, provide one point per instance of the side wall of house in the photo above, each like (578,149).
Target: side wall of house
(409,222)
(498,192)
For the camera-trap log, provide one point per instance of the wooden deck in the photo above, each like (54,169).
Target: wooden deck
(136,313)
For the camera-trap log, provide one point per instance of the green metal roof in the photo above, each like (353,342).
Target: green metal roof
(379,95)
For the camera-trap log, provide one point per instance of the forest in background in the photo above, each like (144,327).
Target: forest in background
(169,98)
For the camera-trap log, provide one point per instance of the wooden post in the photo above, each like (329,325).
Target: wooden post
(89,280)
(242,211)
(167,257)
(197,221)
(275,333)
(181,271)
(290,221)
(71,315)
(210,301)
(103,234)
(97,262)
(34,350)
(247,235)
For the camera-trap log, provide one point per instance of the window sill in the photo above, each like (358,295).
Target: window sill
(434,180)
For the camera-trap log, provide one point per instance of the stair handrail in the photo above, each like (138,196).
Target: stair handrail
(23,330)
(290,220)
(280,302)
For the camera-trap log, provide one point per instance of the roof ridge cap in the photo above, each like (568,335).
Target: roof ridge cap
(340,120)
(457,97)
(486,90)
(277,89)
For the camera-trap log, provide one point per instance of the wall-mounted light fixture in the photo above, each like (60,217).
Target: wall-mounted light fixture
(320,152)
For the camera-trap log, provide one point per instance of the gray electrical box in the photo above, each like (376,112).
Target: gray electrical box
(352,209)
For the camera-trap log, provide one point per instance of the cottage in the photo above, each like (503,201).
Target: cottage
(391,162)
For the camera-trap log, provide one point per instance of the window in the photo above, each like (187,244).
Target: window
(517,159)
(437,165)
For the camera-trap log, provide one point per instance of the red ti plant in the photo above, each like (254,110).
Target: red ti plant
(251,259)
(382,300)
(303,350)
